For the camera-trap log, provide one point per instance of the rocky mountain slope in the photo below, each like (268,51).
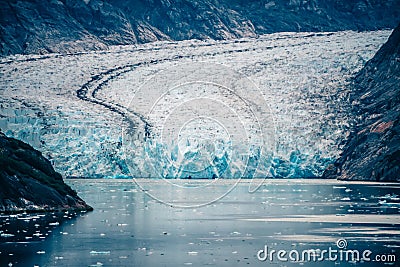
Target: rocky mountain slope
(64,26)
(29,182)
(373,150)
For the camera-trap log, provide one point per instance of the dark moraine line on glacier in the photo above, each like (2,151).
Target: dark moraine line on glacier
(88,91)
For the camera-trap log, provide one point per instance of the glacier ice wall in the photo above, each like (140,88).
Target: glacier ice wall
(78,108)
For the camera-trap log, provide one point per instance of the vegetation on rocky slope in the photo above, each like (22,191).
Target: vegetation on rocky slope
(29,182)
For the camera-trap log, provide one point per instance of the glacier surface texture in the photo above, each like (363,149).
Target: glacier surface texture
(272,106)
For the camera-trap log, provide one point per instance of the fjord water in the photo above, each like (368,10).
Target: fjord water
(129,228)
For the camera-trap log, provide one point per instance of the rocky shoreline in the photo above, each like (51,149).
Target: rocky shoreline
(29,182)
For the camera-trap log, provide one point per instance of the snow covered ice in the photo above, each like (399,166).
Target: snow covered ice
(84,111)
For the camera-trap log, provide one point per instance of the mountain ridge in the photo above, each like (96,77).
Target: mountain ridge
(39,27)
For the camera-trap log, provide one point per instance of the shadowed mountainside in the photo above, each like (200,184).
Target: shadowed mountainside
(373,150)
(64,26)
(29,182)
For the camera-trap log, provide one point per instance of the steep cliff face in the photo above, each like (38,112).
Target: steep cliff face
(373,150)
(75,25)
(28,182)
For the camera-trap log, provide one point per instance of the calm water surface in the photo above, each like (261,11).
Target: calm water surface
(128,227)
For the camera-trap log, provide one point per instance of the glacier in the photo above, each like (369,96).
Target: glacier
(272,106)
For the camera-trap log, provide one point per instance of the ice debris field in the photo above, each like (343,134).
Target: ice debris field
(273,106)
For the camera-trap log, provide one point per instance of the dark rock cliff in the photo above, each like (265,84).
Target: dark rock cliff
(42,26)
(28,182)
(373,150)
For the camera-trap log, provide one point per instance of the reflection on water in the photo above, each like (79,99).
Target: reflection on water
(129,228)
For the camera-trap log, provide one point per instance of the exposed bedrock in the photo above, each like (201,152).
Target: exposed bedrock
(373,150)
(65,26)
